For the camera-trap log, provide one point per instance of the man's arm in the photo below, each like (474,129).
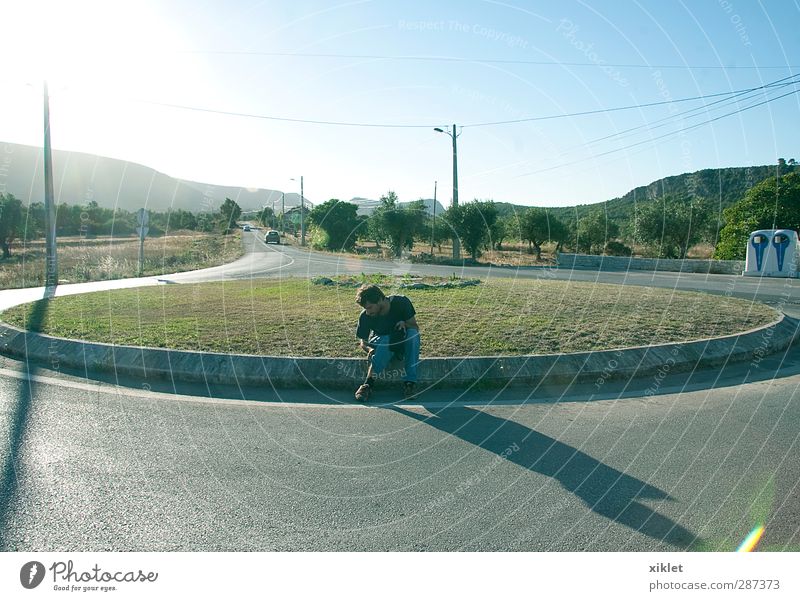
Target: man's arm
(411,319)
(362,333)
(411,322)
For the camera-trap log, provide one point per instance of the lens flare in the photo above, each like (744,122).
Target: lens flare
(750,542)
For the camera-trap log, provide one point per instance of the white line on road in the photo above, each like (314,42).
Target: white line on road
(123,391)
(149,394)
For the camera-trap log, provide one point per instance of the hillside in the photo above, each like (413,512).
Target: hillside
(723,187)
(79,178)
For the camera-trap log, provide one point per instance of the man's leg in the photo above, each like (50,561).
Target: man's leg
(411,359)
(411,347)
(377,362)
(381,356)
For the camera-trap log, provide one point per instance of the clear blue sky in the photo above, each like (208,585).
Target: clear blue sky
(113,65)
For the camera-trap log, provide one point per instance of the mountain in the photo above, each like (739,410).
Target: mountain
(366,205)
(723,187)
(79,178)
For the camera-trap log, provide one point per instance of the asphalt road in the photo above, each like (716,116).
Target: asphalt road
(285,261)
(93,462)
(273,261)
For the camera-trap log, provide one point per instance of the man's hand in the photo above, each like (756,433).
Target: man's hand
(400,325)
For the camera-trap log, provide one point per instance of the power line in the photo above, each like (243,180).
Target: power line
(287,119)
(729,98)
(429,125)
(637,106)
(696,125)
(457,59)
(659,123)
(735,99)
(672,133)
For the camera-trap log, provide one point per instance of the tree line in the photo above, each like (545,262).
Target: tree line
(671,227)
(477,224)
(20,222)
(665,228)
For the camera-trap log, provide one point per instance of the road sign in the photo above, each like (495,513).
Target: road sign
(142,231)
(143,217)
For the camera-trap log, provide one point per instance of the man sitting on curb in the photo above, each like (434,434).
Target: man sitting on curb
(387,326)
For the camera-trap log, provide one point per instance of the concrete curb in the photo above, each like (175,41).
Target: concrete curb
(282,372)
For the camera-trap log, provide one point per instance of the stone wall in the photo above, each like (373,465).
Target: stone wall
(604,263)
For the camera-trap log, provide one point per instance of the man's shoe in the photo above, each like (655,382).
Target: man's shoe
(363,392)
(409,391)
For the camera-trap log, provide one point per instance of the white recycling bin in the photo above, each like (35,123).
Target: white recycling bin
(772,253)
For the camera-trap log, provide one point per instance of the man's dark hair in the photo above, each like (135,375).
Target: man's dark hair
(369,293)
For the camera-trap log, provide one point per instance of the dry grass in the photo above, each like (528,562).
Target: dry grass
(86,260)
(700,251)
(299,318)
(510,255)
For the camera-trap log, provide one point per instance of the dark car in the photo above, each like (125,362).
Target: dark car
(272,237)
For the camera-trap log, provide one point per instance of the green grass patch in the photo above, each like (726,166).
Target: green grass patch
(298,318)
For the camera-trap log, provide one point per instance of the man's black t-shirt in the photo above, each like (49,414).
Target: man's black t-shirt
(400,309)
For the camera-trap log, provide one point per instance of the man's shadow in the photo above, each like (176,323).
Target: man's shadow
(605,490)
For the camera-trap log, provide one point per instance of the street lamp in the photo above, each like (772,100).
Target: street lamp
(302,207)
(454,134)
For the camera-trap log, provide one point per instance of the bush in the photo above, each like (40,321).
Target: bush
(318,238)
(615,248)
(771,204)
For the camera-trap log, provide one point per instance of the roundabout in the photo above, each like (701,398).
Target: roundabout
(673,460)
(287,331)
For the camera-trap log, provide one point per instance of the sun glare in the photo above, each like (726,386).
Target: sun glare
(100,59)
(91,43)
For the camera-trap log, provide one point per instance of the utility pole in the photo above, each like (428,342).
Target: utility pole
(283,210)
(302,209)
(456,240)
(454,135)
(433,224)
(51,256)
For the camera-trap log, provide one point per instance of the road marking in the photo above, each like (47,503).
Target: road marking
(149,394)
(103,388)
(122,391)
